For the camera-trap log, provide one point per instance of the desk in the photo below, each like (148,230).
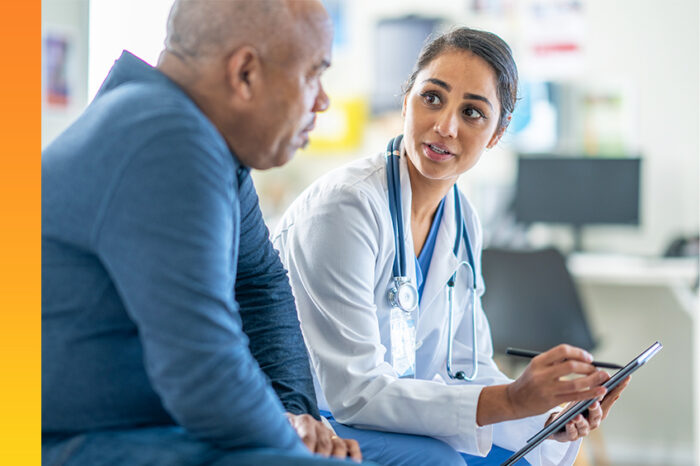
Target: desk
(680,275)
(627,299)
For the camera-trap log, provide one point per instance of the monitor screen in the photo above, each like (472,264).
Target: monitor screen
(396,47)
(577,190)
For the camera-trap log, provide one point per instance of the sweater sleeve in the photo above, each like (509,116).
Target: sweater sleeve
(167,235)
(267,308)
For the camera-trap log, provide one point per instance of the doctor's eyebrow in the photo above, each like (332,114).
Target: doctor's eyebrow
(467,95)
(439,82)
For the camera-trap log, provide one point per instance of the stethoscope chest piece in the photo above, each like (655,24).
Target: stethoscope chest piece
(403,294)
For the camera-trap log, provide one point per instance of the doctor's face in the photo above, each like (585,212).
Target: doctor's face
(451,115)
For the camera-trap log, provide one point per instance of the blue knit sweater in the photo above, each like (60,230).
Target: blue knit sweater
(162,297)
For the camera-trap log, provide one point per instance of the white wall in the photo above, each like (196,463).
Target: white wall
(655,47)
(116,26)
(70,19)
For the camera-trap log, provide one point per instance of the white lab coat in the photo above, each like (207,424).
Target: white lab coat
(337,242)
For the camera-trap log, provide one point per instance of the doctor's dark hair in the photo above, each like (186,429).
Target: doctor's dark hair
(483,44)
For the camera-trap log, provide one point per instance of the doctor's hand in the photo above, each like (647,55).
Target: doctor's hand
(581,426)
(541,388)
(321,440)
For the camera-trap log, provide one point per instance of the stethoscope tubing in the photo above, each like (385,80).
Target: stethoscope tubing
(393,177)
(399,267)
(460,375)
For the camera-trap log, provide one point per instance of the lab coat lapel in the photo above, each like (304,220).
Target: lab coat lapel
(443,262)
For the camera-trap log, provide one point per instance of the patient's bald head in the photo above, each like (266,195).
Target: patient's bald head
(205,28)
(201,29)
(248,64)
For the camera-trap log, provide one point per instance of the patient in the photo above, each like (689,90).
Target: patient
(384,260)
(169,332)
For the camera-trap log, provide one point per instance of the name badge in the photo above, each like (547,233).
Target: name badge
(403,342)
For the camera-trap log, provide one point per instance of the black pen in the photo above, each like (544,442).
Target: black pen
(532,354)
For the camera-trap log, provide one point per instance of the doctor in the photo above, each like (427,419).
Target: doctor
(384,261)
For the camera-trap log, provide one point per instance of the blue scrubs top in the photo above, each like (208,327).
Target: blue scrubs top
(426,254)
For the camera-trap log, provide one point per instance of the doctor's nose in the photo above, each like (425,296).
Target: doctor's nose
(447,125)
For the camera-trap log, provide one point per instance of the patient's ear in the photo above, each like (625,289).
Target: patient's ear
(244,72)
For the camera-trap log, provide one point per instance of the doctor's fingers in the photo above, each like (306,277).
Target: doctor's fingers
(577,384)
(594,392)
(612,397)
(563,352)
(595,415)
(571,433)
(571,367)
(575,429)
(582,426)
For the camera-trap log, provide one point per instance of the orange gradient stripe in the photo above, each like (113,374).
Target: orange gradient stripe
(20,231)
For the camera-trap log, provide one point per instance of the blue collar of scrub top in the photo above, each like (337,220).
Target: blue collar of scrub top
(426,255)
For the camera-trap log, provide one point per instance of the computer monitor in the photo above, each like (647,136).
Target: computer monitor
(396,46)
(577,191)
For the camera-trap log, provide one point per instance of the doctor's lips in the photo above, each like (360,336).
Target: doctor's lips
(436,151)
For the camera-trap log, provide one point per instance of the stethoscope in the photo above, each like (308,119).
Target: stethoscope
(403,294)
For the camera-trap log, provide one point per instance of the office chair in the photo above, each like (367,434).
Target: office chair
(531,301)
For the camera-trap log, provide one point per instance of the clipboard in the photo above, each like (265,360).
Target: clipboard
(581,406)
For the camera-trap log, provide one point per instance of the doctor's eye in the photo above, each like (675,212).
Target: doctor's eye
(431,98)
(473,113)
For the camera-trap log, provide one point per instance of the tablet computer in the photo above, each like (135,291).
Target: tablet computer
(581,406)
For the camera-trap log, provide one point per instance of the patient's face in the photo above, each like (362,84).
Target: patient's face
(286,111)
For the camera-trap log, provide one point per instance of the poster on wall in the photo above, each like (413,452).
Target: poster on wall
(56,75)
(498,8)
(337,11)
(553,34)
